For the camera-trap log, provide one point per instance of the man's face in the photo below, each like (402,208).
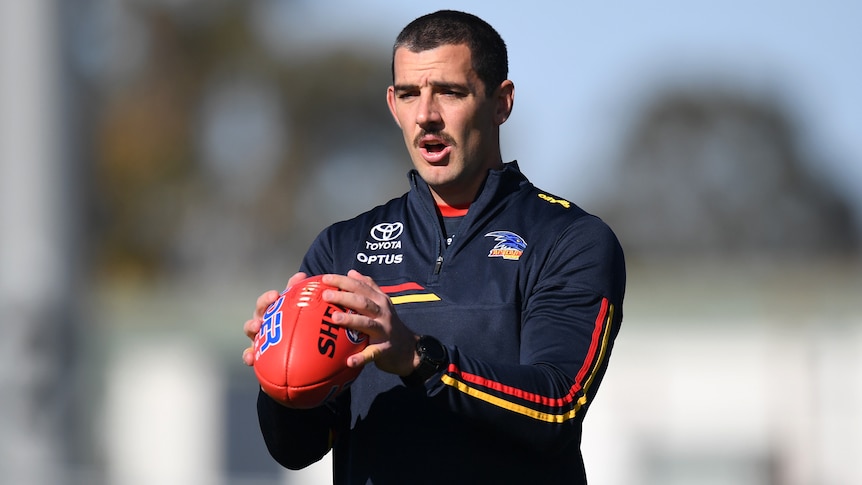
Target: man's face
(450,126)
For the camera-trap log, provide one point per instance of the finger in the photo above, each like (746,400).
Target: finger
(248,356)
(358,303)
(367,280)
(359,293)
(296,279)
(378,295)
(251,327)
(368,355)
(263,302)
(353,282)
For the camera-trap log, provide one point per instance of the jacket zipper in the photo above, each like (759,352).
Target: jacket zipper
(438,265)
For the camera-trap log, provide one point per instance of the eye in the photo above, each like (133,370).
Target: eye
(452,93)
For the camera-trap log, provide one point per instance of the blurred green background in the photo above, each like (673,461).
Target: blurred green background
(166,161)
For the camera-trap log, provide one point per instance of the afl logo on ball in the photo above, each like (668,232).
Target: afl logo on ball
(387,231)
(354,336)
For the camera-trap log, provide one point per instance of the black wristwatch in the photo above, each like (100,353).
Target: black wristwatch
(433,358)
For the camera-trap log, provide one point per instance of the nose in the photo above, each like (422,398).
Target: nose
(428,114)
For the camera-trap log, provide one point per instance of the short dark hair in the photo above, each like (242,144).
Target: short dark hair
(450,27)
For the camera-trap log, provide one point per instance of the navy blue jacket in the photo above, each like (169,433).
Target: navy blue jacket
(527,299)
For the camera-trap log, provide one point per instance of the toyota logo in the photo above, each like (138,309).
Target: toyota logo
(387,231)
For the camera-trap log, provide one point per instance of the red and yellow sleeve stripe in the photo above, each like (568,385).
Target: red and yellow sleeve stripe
(543,408)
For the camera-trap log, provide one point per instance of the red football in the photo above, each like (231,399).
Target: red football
(300,356)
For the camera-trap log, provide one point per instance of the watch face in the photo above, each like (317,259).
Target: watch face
(431,349)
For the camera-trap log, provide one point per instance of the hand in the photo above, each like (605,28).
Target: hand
(252,327)
(392,346)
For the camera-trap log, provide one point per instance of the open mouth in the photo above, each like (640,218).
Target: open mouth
(434,152)
(434,147)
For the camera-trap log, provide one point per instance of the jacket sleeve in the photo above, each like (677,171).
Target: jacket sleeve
(569,322)
(297,438)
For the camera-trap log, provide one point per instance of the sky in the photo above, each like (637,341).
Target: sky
(579,68)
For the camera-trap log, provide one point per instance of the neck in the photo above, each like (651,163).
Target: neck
(461,196)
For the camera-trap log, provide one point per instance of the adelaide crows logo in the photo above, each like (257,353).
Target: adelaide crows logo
(509,246)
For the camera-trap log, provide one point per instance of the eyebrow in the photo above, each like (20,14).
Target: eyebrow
(436,85)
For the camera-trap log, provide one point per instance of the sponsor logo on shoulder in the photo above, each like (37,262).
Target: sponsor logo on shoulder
(385,241)
(510,246)
(563,202)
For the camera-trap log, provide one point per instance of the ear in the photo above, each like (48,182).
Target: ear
(390,101)
(505,101)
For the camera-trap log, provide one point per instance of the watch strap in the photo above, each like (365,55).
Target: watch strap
(433,358)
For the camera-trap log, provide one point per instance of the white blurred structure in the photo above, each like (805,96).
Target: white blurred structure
(722,374)
(34,246)
(163,419)
(733,379)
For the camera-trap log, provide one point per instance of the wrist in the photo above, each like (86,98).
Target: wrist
(417,359)
(430,357)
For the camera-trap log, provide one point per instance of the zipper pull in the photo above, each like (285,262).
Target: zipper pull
(438,264)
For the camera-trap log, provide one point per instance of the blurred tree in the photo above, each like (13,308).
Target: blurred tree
(182,142)
(216,160)
(712,173)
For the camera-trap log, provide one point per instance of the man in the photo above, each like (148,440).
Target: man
(491,306)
